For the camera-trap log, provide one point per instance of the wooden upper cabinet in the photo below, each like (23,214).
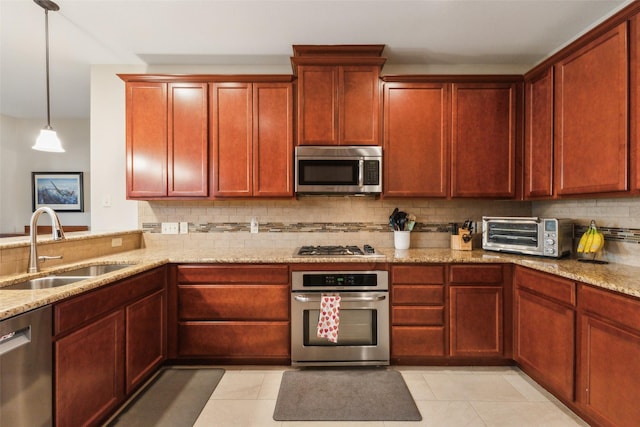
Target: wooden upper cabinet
(538,149)
(634,45)
(272,140)
(483,140)
(338,105)
(416,139)
(146,139)
(167,141)
(359,105)
(231,139)
(188,140)
(252,139)
(338,94)
(591,117)
(317,105)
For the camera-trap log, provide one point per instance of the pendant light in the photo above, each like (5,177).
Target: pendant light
(48,139)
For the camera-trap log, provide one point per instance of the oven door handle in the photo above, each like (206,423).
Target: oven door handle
(305,298)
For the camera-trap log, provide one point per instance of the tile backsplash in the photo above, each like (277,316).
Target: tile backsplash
(360,220)
(312,221)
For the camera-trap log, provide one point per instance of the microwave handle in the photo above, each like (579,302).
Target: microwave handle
(361,172)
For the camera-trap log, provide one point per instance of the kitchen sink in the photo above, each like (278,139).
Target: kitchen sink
(67,277)
(44,282)
(93,270)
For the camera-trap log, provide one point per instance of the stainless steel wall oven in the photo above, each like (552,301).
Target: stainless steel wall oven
(363,335)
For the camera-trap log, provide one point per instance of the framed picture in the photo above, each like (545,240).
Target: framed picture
(61,191)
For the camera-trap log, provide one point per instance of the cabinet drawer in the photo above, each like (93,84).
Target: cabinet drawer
(419,316)
(416,341)
(419,275)
(234,339)
(556,288)
(417,294)
(233,302)
(71,313)
(476,274)
(619,308)
(235,273)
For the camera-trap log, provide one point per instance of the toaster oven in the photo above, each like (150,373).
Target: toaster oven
(548,237)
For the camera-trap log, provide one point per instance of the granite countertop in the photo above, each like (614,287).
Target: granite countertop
(617,277)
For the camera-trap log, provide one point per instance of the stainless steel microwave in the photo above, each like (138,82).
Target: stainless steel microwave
(338,170)
(549,237)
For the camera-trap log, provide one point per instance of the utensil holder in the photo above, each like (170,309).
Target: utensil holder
(402,239)
(462,241)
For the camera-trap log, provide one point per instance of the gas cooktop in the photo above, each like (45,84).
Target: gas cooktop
(366,250)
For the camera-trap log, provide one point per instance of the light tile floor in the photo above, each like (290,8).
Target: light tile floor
(445,396)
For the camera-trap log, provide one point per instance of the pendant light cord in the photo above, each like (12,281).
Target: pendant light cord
(46,30)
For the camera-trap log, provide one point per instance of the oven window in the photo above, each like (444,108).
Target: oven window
(328,172)
(357,327)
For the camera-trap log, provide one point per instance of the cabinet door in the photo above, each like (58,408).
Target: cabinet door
(591,117)
(609,373)
(416,139)
(188,140)
(231,139)
(145,338)
(483,140)
(541,325)
(317,105)
(146,139)
(475,321)
(634,44)
(272,140)
(359,105)
(89,372)
(608,367)
(538,152)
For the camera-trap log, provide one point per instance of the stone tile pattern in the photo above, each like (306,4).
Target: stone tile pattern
(446,397)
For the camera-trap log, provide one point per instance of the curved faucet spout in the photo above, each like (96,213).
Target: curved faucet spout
(56,234)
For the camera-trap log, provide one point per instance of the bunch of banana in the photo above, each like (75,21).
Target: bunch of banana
(591,241)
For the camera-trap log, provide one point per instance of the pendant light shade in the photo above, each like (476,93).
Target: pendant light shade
(48,139)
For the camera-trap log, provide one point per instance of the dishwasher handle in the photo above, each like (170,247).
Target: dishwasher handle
(16,339)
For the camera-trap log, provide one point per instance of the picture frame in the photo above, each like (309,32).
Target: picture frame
(61,191)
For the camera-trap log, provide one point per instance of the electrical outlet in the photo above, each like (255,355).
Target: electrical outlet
(184,228)
(170,228)
(116,242)
(254,225)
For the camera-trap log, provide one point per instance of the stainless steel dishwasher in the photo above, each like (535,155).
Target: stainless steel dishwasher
(25,369)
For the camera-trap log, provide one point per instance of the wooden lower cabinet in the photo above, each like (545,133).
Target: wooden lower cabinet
(608,374)
(145,338)
(233,313)
(475,321)
(417,313)
(544,330)
(478,326)
(106,343)
(88,366)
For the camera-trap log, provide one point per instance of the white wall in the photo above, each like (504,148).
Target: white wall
(18,160)
(108,151)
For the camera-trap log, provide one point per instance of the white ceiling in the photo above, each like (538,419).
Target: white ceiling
(261,32)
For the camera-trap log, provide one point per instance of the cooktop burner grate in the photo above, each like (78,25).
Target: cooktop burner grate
(330,250)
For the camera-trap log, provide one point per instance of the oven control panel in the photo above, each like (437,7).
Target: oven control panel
(329,280)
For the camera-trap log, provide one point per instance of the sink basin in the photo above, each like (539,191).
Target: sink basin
(67,277)
(93,270)
(44,283)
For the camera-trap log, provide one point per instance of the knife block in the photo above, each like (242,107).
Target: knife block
(463,241)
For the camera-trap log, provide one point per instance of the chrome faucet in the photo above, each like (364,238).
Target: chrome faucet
(56,234)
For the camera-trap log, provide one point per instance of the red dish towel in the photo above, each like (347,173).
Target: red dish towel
(329,318)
